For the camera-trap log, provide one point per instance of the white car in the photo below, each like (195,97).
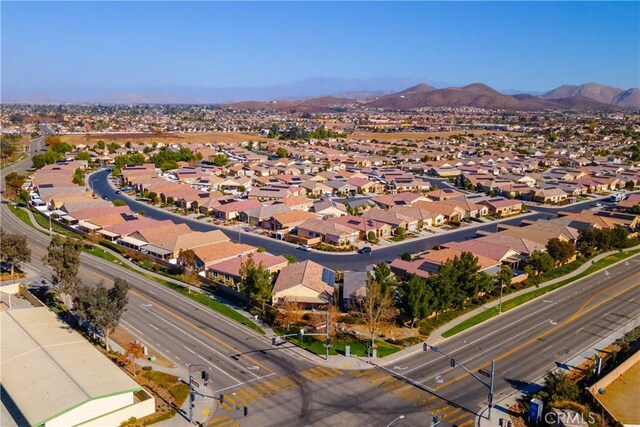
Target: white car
(305,248)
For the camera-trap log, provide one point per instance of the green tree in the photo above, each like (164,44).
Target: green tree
(540,262)
(282,152)
(560,250)
(559,387)
(418,300)
(291,259)
(220,160)
(187,259)
(255,280)
(400,232)
(100,144)
(60,147)
(78,176)
(383,275)
(13,183)
(630,185)
(504,276)
(119,202)
(63,255)
(14,249)
(83,156)
(371,236)
(406,256)
(6,148)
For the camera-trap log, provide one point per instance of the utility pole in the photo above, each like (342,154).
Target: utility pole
(500,305)
(454,363)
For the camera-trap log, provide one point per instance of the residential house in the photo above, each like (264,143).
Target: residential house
(305,282)
(314,231)
(229,270)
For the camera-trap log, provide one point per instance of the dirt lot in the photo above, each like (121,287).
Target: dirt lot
(121,138)
(419,136)
(621,396)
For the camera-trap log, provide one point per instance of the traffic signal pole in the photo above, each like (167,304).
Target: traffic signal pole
(454,363)
(193,393)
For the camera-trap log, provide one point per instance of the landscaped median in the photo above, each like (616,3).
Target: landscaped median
(96,250)
(521,299)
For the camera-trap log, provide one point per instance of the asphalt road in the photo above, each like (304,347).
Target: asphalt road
(529,341)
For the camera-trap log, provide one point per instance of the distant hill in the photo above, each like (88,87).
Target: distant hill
(476,95)
(597,92)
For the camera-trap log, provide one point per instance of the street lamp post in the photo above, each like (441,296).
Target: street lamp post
(500,304)
(396,419)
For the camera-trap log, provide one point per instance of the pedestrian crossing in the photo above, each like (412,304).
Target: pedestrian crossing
(448,414)
(222,421)
(251,393)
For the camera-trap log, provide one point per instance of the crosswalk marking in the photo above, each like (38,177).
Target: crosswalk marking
(459,417)
(228,422)
(225,406)
(466,423)
(215,420)
(399,390)
(440,409)
(450,413)
(241,399)
(392,385)
(263,390)
(416,396)
(425,401)
(271,386)
(246,393)
(366,373)
(311,374)
(230,400)
(318,372)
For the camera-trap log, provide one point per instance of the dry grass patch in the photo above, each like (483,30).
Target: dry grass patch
(419,136)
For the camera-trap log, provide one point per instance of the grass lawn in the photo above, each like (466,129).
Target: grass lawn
(316,345)
(21,214)
(514,302)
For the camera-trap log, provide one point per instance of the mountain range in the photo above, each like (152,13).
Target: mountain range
(478,95)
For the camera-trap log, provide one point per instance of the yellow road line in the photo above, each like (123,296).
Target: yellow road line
(416,396)
(319,373)
(331,372)
(466,423)
(230,399)
(225,406)
(366,373)
(225,423)
(315,377)
(411,390)
(577,314)
(283,382)
(187,322)
(379,379)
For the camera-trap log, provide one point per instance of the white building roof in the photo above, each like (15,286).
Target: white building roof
(48,368)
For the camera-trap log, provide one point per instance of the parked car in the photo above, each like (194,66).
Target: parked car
(118,191)
(105,197)
(305,248)
(365,251)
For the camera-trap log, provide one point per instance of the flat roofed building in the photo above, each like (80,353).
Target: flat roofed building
(55,377)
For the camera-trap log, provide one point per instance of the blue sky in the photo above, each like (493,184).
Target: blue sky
(84,48)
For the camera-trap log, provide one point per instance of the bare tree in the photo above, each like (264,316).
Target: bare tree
(377,308)
(289,313)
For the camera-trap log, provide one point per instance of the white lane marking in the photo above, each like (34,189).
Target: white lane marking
(246,382)
(219,369)
(196,339)
(154,327)
(480,339)
(130,326)
(464,362)
(189,349)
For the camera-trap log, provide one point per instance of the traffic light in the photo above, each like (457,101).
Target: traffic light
(490,398)
(205,377)
(246,411)
(221,398)
(273,341)
(453,363)
(328,342)
(425,346)
(434,421)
